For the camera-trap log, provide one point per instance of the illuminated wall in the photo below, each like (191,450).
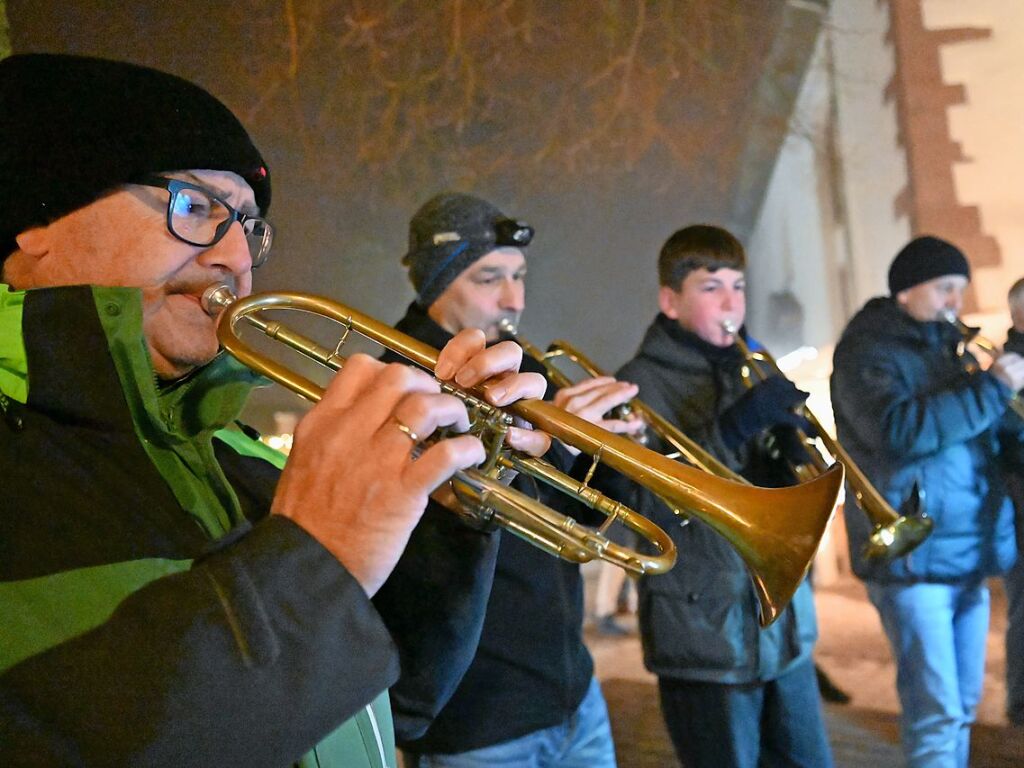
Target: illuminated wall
(910,121)
(989,126)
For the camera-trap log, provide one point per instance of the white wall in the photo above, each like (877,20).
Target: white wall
(792,244)
(832,267)
(874,165)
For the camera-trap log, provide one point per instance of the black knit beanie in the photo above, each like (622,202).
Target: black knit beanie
(924,259)
(449,233)
(74,128)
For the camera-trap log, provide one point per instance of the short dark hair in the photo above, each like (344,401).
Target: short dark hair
(695,247)
(1016,292)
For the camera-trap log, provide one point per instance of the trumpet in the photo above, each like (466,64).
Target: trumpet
(775,531)
(971,335)
(683,446)
(893,534)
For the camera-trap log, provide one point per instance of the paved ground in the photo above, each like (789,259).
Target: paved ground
(853,651)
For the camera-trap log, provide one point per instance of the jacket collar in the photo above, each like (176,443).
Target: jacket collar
(418,324)
(882,318)
(1015,340)
(668,344)
(13,363)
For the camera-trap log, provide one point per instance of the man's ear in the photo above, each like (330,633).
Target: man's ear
(34,242)
(19,267)
(666,302)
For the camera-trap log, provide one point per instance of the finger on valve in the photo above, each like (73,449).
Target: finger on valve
(594,401)
(352,482)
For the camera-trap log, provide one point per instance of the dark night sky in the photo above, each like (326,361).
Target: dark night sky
(513,106)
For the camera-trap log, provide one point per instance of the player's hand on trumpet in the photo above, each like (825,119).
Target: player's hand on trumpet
(1009,369)
(596,399)
(359,473)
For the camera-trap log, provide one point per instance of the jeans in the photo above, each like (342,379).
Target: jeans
(937,633)
(582,741)
(775,723)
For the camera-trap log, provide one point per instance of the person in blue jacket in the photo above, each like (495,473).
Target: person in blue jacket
(913,409)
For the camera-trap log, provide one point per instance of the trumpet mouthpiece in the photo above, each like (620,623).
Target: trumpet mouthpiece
(216,297)
(508,326)
(729,327)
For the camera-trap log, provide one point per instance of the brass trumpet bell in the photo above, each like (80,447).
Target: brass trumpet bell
(893,535)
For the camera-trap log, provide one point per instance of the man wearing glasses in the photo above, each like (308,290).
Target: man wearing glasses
(167,596)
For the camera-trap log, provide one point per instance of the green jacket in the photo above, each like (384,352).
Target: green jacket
(153,613)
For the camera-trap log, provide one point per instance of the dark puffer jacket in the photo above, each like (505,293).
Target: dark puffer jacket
(700,620)
(908,412)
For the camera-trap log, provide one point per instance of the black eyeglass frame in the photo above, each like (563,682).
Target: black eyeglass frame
(174,186)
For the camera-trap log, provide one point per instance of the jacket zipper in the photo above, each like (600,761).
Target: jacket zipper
(376,735)
(11,417)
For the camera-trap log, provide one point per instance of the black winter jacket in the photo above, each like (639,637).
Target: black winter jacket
(699,621)
(531,670)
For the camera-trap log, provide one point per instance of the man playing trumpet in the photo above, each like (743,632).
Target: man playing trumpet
(1013,460)
(913,413)
(168,596)
(530,696)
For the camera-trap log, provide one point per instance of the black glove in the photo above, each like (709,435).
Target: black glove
(788,444)
(765,405)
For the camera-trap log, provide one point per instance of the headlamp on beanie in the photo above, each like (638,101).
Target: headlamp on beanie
(512,233)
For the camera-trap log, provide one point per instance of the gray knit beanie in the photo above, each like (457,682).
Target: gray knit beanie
(449,233)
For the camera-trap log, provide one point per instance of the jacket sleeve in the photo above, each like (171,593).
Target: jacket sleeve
(248,658)
(434,604)
(907,424)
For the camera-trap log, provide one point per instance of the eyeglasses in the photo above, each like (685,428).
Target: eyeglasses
(198,217)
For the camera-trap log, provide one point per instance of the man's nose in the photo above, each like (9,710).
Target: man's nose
(513,296)
(231,252)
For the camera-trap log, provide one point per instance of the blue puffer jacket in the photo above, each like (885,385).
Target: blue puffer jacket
(908,411)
